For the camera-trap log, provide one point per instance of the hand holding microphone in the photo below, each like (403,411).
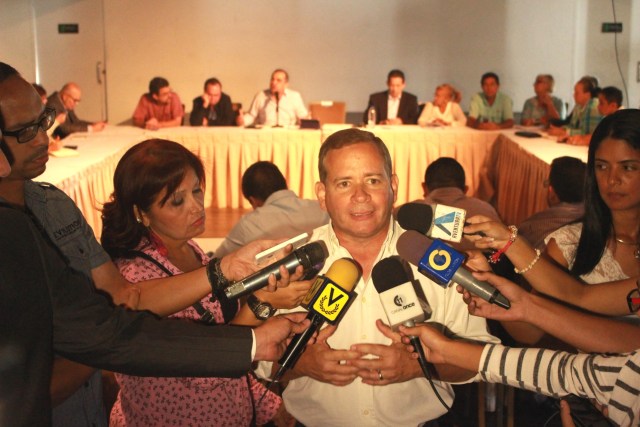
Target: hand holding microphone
(443,264)
(306,256)
(327,300)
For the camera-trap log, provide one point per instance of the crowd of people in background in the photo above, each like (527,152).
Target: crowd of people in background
(489,109)
(580,259)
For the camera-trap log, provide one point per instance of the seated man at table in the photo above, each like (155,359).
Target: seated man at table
(213,107)
(276,106)
(609,100)
(585,115)
(538,110)
(565,197)
(394,106)
(490,109)
(160,108)
(445,183)
(65,102)
(278,212)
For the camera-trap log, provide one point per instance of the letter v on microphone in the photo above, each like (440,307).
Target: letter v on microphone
(329,302)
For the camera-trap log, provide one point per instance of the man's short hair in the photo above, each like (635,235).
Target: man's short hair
(444,172)
(280,70)
(489,75)
(395,73)
(612,94)
(261,180)
(211,81)
(346,137)
(547,78)
(590,84)
(6,71)
(567,177)
(156,84)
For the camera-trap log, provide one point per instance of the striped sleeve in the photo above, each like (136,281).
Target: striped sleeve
(612,380)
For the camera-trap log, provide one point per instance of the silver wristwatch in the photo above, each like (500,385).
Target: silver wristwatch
(262,310)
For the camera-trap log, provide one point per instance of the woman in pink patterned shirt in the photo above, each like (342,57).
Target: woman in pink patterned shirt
(156,209)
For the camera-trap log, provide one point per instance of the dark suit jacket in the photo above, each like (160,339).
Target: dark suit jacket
(224,114)
(45,306)
(72,123)
(407,111)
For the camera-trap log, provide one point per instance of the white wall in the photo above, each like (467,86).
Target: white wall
(342,50)
(17,47)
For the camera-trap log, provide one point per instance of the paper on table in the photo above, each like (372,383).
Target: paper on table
(64,152)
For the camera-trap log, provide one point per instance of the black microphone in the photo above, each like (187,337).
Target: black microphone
(307,256)
(327,300)
(436,221)
(443,264)
(399,300)
(277,95)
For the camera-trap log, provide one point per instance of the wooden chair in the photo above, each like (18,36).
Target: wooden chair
(328,112)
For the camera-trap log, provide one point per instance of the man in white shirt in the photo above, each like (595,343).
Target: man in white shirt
(361,374)
(276,106)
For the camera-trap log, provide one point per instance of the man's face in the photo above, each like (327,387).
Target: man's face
(490,87)
(541,86)
(396,86)
(71,97)
(214,92)
(20,106)
(163,95)
(358,194)
(605,107)
(580,95)
(278,82)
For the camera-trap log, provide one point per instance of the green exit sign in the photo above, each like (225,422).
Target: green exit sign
(612,27)
(68,28)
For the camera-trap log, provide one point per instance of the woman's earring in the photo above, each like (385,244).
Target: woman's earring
(139,220)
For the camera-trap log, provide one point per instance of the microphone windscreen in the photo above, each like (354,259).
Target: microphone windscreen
(345,272)
(315,253)
(412,245)
(415,216)
(388,273)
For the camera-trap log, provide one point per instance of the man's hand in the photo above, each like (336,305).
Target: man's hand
(488,126)
(392,363)
(273,335)
(206,100)
(152,124)
(97,126)
(324,364)
(241,263)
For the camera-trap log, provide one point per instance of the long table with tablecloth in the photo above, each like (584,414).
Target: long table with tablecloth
(499,166)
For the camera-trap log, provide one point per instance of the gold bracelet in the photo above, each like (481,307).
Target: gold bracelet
(531,264)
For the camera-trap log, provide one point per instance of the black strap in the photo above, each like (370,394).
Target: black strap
(205,315)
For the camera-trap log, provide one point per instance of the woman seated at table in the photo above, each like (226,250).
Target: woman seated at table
(543,107)
(444,110)
(155,211)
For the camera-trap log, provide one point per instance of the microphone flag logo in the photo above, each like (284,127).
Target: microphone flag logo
(331,302)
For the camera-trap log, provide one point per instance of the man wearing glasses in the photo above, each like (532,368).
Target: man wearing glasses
(65,102)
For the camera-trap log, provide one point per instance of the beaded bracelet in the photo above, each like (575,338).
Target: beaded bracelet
(531,264)
(495,257)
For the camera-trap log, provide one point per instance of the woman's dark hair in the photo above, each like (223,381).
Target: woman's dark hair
(143,172)
(597,224)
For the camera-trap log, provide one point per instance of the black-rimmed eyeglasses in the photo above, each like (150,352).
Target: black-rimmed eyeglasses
(29,132)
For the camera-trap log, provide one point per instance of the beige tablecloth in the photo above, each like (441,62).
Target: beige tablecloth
(514,173)
(499,165)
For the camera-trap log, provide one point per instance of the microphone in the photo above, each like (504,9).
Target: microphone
(277,95)
(442,264)
(328,298)
(436,221)
(400,302)
(307,256)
